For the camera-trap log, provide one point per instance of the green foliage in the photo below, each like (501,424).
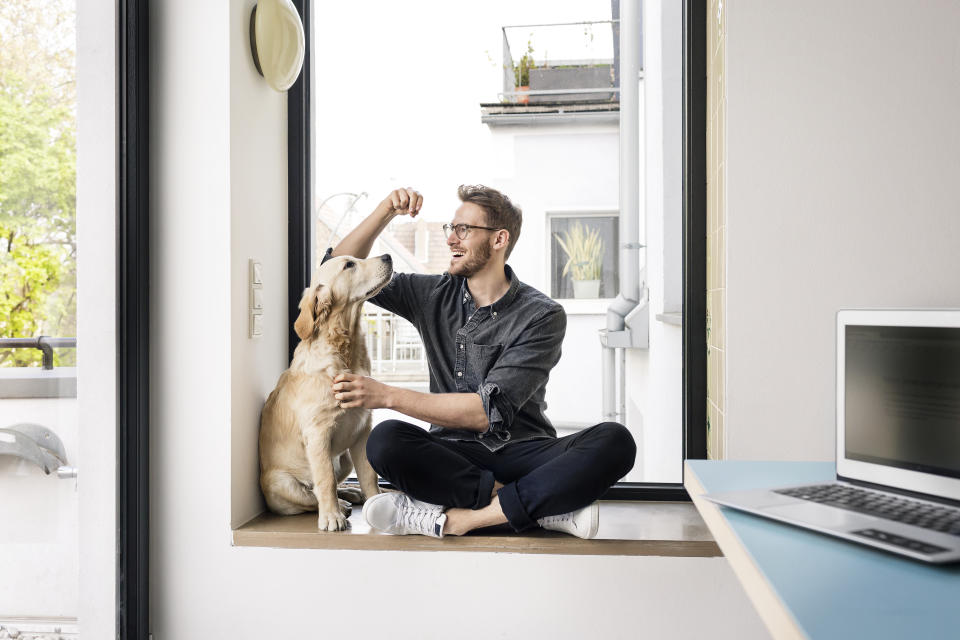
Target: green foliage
(37,176)
(584,249)
(521,70)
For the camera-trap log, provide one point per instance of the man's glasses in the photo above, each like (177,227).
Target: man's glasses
(463,229)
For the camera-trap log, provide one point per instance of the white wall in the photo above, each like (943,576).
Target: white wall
(258,230)
(191,314)
(214,124)
(842,166)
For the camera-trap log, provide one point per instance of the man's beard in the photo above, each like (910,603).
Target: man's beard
(477,261)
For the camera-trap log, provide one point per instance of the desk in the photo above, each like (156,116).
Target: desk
(807,585)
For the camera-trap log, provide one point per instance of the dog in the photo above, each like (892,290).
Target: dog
(308,443)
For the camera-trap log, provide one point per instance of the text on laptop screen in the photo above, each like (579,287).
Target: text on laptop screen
(902,397)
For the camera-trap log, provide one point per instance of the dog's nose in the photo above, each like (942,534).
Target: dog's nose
(386,258)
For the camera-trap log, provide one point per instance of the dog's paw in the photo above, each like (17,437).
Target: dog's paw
(331,521)
(350,494)
(345,508)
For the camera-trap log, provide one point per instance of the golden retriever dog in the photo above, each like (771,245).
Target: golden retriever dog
(308,443)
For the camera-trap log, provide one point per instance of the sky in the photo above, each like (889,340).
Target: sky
(398,86)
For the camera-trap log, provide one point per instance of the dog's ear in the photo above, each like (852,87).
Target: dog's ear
(304,324)
(314,308)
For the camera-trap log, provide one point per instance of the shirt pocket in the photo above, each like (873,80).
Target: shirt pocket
(480,359)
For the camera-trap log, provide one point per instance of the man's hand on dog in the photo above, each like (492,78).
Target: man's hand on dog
(403,201)
(354,391)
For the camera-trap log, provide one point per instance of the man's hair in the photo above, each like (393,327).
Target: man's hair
(501,213)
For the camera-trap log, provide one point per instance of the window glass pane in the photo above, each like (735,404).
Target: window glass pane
(396,351)
(583,258)
(522,97)
(38,132)
(39,430)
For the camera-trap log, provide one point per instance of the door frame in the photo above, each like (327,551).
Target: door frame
(113,317)
(133,324)
(694,224)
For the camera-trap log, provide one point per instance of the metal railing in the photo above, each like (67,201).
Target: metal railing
(561,62)
(46,344)
(394,346)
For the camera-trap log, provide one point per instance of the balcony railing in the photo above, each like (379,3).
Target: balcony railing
(33,382)
(396,351)
(561,62)
(45,344)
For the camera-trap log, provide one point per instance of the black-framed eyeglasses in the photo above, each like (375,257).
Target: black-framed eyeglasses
(464,229)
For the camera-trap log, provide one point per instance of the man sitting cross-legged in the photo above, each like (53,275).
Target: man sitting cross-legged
(491,455)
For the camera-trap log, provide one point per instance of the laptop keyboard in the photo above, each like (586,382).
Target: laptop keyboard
(882,505)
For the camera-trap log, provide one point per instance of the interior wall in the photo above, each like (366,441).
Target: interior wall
(190,313)
(258,231)
(842,165)
(216,191)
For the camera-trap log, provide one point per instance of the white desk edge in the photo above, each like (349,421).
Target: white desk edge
(772,610)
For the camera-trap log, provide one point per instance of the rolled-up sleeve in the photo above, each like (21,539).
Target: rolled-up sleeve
(522,368)
(487,391)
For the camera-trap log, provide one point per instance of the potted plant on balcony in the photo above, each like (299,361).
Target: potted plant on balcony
(521,72)
(584,249)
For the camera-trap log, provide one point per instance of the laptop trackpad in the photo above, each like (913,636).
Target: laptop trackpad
(817,515)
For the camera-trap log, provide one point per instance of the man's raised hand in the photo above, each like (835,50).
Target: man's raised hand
(403,202)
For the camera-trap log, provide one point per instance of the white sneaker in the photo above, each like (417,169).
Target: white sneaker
(582,523)
(399,514)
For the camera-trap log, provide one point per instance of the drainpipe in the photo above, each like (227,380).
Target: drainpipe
(627,318)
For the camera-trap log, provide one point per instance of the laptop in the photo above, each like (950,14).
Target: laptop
(897,484)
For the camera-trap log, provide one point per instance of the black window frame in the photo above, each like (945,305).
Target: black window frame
(694,234)
(133,322)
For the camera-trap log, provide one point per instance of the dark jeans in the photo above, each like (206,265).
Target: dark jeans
(542,477)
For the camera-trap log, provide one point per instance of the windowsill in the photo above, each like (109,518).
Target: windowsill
(33,382)
(671,317)
(626,529)
(594,306)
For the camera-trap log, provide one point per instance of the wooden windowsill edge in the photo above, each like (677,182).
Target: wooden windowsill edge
(772,610)
(270,531)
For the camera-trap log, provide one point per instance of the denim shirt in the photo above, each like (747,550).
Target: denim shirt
(504,351)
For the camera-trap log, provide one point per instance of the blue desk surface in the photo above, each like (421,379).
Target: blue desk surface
(834,588)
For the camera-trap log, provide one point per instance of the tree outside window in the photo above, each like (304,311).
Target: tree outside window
(37,176)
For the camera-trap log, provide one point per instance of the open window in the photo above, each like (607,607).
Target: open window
(528,100)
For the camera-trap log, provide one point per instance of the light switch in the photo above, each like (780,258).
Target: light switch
(256,273)
(256,299)
(256,325)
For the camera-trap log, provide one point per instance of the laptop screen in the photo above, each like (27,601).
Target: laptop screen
(902,397)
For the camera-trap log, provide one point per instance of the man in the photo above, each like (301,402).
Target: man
(491,455)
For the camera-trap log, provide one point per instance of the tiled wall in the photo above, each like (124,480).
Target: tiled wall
(716,226)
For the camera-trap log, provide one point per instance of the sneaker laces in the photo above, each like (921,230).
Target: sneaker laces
(563,517)
(414,515)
